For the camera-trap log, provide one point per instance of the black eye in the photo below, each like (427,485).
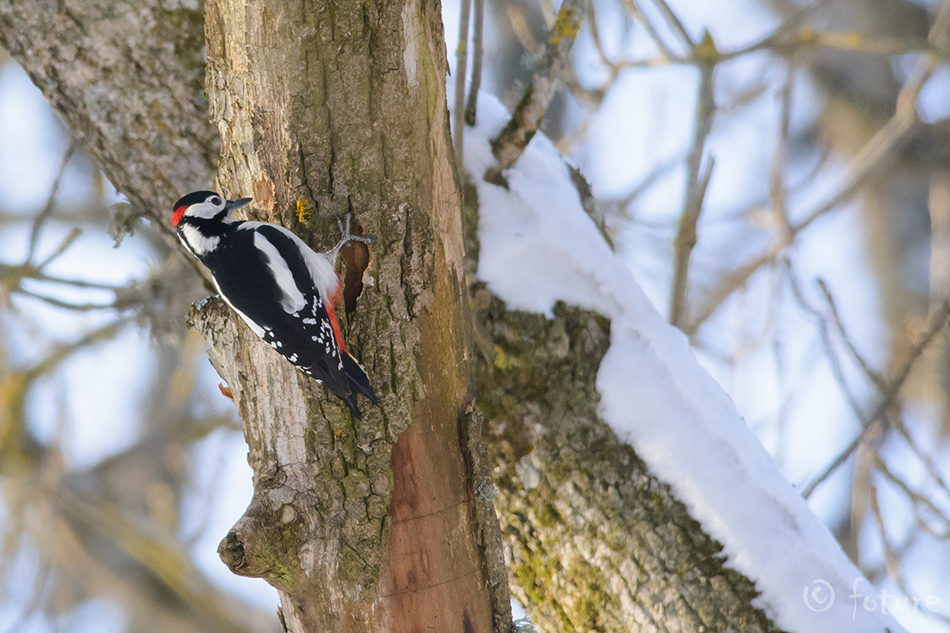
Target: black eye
(216,201)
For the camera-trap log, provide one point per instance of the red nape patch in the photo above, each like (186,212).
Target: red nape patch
(176,217)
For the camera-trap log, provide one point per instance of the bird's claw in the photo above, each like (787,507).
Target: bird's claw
(348,237)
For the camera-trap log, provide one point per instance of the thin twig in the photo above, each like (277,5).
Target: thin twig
(12,275)
(777,38)
(75,283)
(666,51)
(595,37)
(825,333)
(675,23)
(477,54)
(461,70)
(59,303)
(938,205)
(919,501)
(71,237)
(879,382)
(777,203)
(937,323)
(887,140)
(890,559)
(43,216)
(64,351)
(923,456)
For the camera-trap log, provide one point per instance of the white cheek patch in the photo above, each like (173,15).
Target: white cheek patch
(204,210)
(292,300)
(199,244)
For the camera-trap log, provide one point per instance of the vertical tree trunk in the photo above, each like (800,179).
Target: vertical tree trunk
(361,525)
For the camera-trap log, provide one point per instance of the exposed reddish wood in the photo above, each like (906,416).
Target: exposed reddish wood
(432,575)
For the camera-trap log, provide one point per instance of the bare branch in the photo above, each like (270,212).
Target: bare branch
(780,37)
(875,377)
(461,70)
(937,323)
(938,206)
(43,216)
(68,305)
(825,333)
(675,23)
(634,9)
(777,168)
(696,183)
(526,119)
(919,501)
(478,53)
(64,351)
(877,151)
(890,559)
(71,237)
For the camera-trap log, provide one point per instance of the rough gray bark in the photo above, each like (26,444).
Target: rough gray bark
(331,126)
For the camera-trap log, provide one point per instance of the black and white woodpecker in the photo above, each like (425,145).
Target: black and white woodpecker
(283,290)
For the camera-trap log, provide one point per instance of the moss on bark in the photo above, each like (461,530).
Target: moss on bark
(595,542)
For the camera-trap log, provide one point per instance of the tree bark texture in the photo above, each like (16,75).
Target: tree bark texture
(372,524)
(341,106)
(595,542)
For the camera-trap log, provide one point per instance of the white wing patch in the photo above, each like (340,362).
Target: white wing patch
(320,265)
(323,273)
(292,300)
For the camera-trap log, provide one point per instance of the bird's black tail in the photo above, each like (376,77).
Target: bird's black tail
(352,381)
(358,378)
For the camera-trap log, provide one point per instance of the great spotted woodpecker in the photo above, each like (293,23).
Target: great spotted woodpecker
(282,289)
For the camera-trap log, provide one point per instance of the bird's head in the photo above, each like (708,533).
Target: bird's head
(207,205)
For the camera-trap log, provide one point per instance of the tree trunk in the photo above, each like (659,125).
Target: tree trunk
(372,524)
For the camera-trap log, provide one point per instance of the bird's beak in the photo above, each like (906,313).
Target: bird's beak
(231,205)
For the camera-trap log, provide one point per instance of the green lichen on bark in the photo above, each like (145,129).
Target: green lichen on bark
(595,542)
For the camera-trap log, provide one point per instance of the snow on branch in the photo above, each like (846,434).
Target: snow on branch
(538,247)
